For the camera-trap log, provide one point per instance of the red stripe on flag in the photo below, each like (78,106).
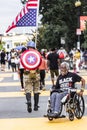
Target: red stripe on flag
(16,18)
(20,15)
(32,5)
(32,0)
(13,24)
(10,27)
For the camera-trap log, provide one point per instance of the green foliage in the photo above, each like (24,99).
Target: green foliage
(84,45)
(59,19)
(1,45)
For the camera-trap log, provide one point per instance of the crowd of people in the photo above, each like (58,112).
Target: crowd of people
(57,62)
(76,58)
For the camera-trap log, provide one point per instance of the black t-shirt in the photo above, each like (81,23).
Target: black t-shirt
(2,55)
(67,80)
(53,58)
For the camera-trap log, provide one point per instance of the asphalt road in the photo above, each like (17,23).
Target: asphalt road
(13,113)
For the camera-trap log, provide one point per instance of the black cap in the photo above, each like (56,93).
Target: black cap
(23,49)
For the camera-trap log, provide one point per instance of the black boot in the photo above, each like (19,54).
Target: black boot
(28,97)
(36,100)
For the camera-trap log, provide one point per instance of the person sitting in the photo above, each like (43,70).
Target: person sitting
(65,79)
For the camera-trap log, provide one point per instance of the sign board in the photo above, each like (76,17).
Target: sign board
(83,20)
(78,31)
(62,40)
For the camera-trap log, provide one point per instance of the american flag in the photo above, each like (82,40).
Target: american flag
(27,16)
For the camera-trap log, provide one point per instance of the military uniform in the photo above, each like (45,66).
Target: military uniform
(31,81)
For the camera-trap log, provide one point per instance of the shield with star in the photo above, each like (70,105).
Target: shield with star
(31,59)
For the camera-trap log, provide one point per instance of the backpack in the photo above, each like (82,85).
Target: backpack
(61,55)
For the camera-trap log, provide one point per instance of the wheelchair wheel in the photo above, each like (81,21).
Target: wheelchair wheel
(49,110)
(50,118)
(71,115)
(79,106)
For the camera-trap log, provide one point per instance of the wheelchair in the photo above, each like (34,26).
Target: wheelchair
(73,104)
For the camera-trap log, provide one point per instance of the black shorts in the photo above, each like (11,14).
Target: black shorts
(3,62)
(13,65)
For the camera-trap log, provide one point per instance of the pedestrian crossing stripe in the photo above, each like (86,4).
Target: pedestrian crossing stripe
(1,79)
(22,94)
(10,84)
(5,75)
(42,124)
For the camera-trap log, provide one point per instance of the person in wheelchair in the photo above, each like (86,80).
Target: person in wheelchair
(66,79)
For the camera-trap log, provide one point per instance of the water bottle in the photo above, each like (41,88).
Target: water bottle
(64,99)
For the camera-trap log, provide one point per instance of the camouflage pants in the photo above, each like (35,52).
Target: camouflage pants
(31,84)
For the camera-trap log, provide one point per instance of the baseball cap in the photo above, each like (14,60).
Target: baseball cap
(31,44)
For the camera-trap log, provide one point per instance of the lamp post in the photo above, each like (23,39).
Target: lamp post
(78,31)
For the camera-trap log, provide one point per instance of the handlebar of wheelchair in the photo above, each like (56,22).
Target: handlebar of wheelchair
(69,89)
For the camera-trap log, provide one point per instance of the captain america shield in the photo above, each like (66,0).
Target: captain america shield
(31,59)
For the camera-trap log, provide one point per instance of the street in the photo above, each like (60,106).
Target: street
(13,111)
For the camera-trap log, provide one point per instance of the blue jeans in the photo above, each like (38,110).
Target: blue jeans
(55,100)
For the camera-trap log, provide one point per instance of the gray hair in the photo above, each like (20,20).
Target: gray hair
(65,64)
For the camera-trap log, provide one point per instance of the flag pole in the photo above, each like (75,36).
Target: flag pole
(36,35)
(37,22)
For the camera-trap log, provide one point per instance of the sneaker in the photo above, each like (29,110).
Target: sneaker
(63,116)
(77,72)
(43,88)
(54,115)
(22,90)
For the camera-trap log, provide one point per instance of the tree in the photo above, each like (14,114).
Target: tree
(60,20)
(1,45)
(84,45)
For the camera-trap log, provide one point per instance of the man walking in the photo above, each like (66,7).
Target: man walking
(53,63)
(31,78)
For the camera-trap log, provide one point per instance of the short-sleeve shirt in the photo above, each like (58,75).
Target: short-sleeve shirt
(67,80)
(85,55)
(53,58)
